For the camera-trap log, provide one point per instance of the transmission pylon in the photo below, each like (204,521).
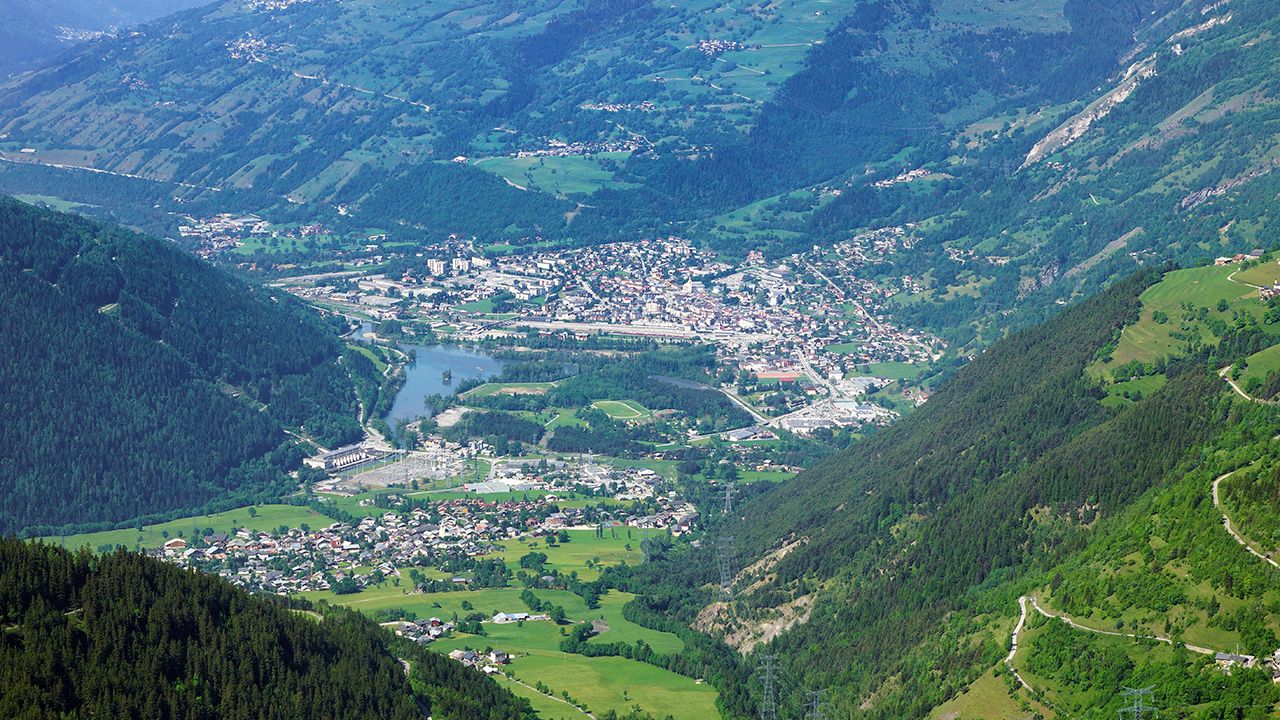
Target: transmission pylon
(725,557)
(728,497)
(768,701)
(1138,709)
(815,708)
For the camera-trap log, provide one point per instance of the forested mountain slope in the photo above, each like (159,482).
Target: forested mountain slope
(1031,150)
(122,635)
(32,31)
(681,111)
(137,380)
(1172,157)
(891,573)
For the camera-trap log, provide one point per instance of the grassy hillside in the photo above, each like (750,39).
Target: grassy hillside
(1035,150)
(34,31)
(659,112)
(138,381)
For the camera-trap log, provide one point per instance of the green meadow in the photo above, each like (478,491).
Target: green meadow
(570,175)
(892,370)
(619,544)
(1163,314)
(1136,387)
(601,683)
(1266,272)
(1261,364)
(988,698)
(266,517)
(844,348)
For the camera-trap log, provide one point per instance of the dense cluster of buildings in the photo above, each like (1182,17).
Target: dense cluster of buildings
(226,231)
(372,549)
(1237,258)
(487,662)
(810,315)
(221,232)
(644,106)
(779,317)
(666,509)
(712,48)
(434,533)
(433,460)
(345,458)
(559,148)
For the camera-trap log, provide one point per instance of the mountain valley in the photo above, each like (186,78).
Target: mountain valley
(640,361)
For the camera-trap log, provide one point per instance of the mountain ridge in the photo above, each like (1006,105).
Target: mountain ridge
(203,373)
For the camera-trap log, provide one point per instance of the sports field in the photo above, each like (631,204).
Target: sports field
(622,409)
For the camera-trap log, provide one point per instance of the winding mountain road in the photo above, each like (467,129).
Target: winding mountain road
(1013,646)
(1226,522)
(1225,374)
(1114,633)
(1232,278)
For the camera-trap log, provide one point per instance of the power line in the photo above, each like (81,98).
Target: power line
(815,708)
(768,702)
(1138,708)
(725,557)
